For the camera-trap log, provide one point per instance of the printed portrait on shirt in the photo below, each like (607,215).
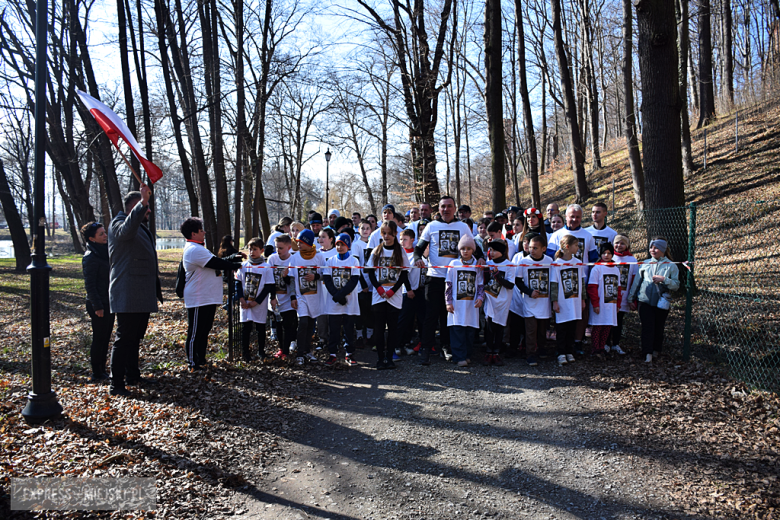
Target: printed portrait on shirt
(448,243)
(466,285)
(599,241)
(367,254)
(492,287)
(420,228)
(580,252)
(281,287)
(624,276)
(306,287)
(384,274)
(251,285)
(340,276)
(570,279)
(610,288)
(539,280)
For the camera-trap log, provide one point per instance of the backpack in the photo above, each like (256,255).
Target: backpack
(181,280)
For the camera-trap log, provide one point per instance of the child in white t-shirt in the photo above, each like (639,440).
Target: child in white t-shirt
(327,250)
(604,294)
(388,272)
(533,280)
(627,274)
(413,306)
(365,321)
(287,327)
(567,293)
(305,273)
(499,284)
(464,296)
(254,285)
(341,304)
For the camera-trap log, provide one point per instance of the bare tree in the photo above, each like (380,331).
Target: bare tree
(706,86)
(528,123)
(637,175)
(683,45)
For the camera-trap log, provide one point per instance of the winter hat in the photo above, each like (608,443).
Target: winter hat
(388,206)
(341,222)
(306,236)
(464,207)
(498,245)
(345,238)
(467,241)
(334,212)
(316,218)
(660,244)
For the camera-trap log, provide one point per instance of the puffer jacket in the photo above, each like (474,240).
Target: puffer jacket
(645,290)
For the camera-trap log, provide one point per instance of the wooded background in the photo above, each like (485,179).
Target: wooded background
(237,101)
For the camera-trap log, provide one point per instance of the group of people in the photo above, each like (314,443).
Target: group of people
(394,285)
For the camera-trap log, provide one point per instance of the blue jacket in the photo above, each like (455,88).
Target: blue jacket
(645,290)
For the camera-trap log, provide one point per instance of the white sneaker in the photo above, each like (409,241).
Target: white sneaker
(607,348)
(410,351)
(569,358)
(293,346)
(310,357)
(561,360)
(447,354)
(649,358)
(618,350)
(299,361)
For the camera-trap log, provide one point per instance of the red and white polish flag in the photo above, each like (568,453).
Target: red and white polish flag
(116,128)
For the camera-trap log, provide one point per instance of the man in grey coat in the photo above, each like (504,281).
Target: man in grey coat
(134,286)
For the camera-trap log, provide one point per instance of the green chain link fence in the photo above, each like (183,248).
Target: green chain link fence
(728,312)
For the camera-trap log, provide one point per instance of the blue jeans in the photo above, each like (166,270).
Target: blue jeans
(461,342)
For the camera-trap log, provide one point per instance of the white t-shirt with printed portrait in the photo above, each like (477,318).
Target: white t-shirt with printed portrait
(341,271)
(387,277)
(608,280)
(443,239)
(465,280)
(537,278)
(571,282)
(253,280)
(306,292)
(498,298)
(283,291)
(601,235)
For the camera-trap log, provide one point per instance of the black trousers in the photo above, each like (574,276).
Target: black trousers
(616,332)
(305,332)
(494,336)
(516,330)
(366,314)
(435,316)
(412,309)
(199,323)
(335,322)
(386,317)
(286,330)
(130,330)
(101,335)
(653,321)
(564,336)
(246,335)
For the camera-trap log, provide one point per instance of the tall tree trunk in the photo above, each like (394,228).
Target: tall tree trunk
(259,209)
(528,122)
(14,221)
(570,108)
(728,53)
(242,142)
(592,90)
(664,183)
(127,84)
(706,87)
(683,45)
(637,176)
(494,99)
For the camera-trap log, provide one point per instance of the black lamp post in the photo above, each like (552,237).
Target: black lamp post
(327,179)
(42,401)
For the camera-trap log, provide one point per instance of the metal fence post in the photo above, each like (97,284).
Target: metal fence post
(690,284)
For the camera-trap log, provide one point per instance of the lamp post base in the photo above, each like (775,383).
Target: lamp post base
(41,408)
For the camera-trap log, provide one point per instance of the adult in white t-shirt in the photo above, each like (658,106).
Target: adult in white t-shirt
(587,251)
(600,230)
(202,291)
(442,236)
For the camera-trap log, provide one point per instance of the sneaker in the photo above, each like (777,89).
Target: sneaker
(531,361)
(310,357)
(349,361)
(417,347)
(607,348)
(447,354)
(119,390)
(553,335)
(497,360)
(619,351)
(279,354)
(588,331)
(389,365)
(569,358)
(463,363)
(299,361)
(649,358)
(332,360)
(293,346)
(396,357)
(380,365)
(488,360)
(410,351)
(561,360)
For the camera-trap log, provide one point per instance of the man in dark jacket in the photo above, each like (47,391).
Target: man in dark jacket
(134,286)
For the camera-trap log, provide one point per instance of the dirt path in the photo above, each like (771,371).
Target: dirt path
(443,442)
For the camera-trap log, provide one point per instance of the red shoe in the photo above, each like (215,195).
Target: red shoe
(417,347)
(280,355)
(498,361)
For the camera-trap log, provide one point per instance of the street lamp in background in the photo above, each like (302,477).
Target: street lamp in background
(327,179)
(41,401)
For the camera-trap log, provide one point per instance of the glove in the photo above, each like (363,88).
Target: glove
(342,301)
(236,257)
(380,290)
(389,293)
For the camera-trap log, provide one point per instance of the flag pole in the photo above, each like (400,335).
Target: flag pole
(135,174)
